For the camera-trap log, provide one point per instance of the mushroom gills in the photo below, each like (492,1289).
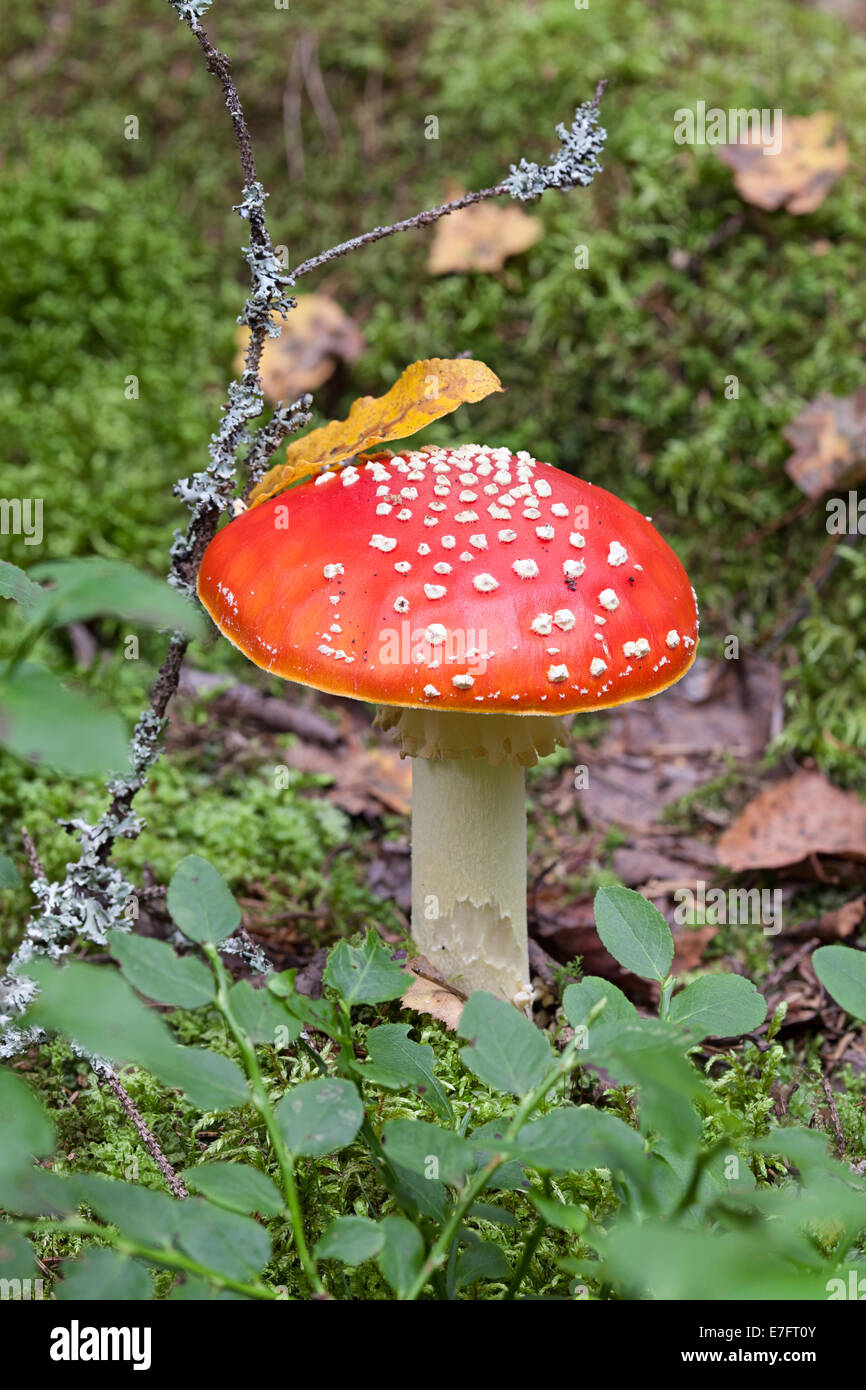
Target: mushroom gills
(469,873)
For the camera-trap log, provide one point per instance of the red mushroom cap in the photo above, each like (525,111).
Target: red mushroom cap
(455,579)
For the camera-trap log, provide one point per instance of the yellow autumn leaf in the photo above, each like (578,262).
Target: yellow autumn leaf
(480,237)
(425,392)
(798,177)
(316,335)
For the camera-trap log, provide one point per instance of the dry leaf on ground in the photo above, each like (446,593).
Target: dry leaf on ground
(841,922)
(793,819)
(689,946)
(851,12)
(829,439)
(366,781)
(813,155)
(425,392)
(481,237)
(656,751)
(316,335)
(430,994)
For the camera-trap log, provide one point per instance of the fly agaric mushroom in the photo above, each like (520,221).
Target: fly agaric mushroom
(476,597)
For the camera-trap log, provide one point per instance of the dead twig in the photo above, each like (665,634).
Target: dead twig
(422,219)
(834,1117)
(32,854)
(108,1076)
(176,1184)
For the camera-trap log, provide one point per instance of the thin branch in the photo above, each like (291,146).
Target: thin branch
(106,1073)
(834,1116)
(32,854)
(286,419)
(176,1184)
(575,163)
(420,219)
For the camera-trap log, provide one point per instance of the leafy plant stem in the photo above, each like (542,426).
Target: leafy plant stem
(170,1259)
(265,1109)
(529,1249)
(531,1101)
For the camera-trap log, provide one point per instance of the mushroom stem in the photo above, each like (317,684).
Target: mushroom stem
(469,873)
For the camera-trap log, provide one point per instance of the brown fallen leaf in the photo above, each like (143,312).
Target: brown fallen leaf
(793,819)
(424,392)
(656,751)
(841,922)
(430,994)
(316,335)
(366,781)
(851,12)
(829,439)
(813,155)
(481,237)
(689,946)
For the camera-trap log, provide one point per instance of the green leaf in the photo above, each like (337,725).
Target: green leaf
(505,1050)
(237,1186)
(486,1140)
(673,1172)
(577,1138)
(635,932)
(719,1006)
(148,1217)
(232,1245)
(671,1263)
(366,974)
(43,722)
(580,999)
(223,1241)
(392,1051)
(200,902)
(497,1216)
(649,1054)
(96,1008)
(842,972)
(352,1239)
(209,1080)
(316,1013)
(563,1218)
(93,586)
(101,1275)
(27,1131)
(15,584)
(319,1117)
(482,1261)
(261,1016)
(428,1150)
(9,875)
(417,1194)
(159,973)
(34,1191)
(402,1254)
(17,1256)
